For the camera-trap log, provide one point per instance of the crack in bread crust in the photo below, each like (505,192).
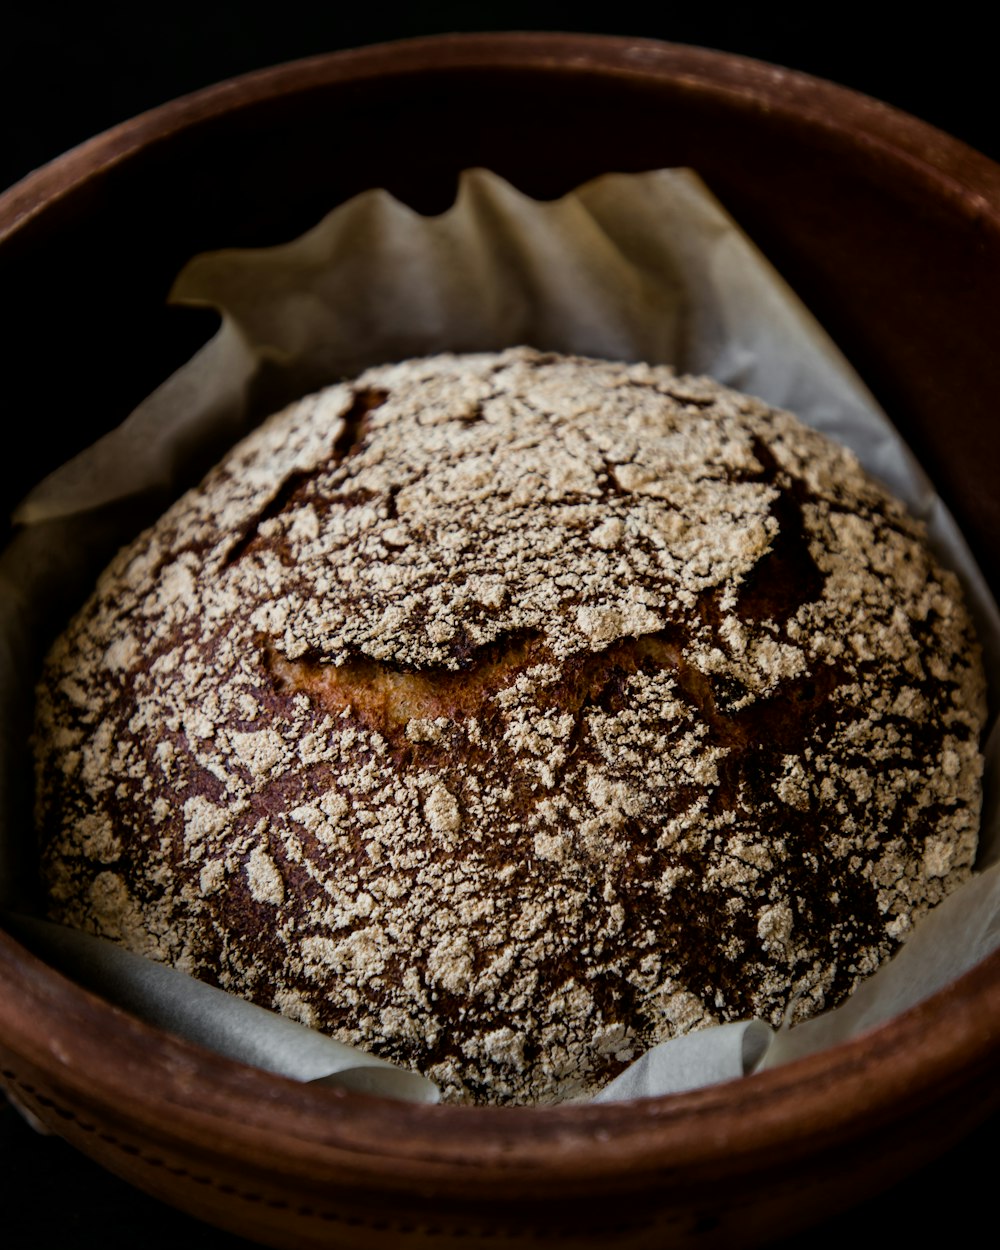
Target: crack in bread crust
(508,714)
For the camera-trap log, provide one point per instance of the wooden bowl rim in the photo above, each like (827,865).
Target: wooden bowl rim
(960,172)
(94,1055)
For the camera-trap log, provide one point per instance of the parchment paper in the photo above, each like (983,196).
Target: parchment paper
(638,267)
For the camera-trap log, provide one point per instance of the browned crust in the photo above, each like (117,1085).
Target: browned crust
(507,714)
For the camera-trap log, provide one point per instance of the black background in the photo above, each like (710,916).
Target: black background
(69,71)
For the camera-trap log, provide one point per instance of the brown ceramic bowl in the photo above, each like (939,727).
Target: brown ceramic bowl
(887,228)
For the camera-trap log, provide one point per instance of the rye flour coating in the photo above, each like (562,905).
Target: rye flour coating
(507,714)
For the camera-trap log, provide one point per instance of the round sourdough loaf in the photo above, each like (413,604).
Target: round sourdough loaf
(508,714)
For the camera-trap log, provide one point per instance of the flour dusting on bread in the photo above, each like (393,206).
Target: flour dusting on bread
(507,714)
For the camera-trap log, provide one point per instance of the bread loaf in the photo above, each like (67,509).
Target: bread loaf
(507,714)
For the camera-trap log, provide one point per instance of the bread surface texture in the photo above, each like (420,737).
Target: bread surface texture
(508,714)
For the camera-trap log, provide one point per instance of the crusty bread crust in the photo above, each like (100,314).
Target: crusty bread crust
(507,714)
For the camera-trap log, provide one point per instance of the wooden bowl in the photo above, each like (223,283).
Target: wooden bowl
(891,233)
